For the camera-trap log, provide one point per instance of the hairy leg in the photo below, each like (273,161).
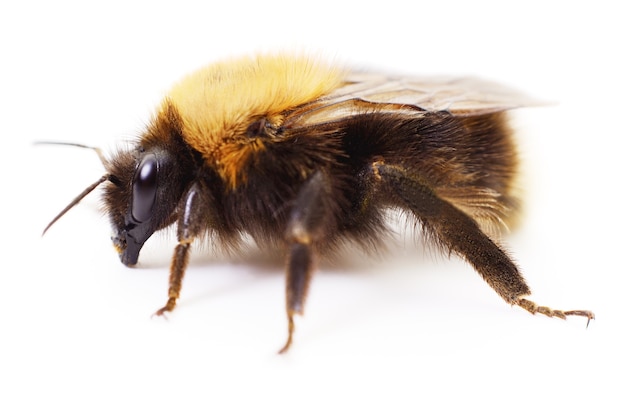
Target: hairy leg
(310,218)
(459,233)
(191,221)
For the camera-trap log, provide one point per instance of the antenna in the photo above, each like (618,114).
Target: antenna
(86,191)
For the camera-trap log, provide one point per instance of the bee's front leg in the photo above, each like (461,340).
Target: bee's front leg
(192,220)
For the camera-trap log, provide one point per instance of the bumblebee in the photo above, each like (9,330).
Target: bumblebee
(303,157)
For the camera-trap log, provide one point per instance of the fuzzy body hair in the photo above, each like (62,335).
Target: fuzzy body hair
(253,180)
(217,104)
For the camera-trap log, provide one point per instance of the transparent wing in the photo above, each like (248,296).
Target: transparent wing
(364,92)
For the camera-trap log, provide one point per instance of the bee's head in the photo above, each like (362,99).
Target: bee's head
(136,199)
(143,188)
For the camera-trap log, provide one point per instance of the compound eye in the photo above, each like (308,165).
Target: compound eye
(144,188)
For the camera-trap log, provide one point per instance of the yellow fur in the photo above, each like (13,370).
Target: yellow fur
(217,104)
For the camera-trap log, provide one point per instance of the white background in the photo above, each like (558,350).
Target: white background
(76,322)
